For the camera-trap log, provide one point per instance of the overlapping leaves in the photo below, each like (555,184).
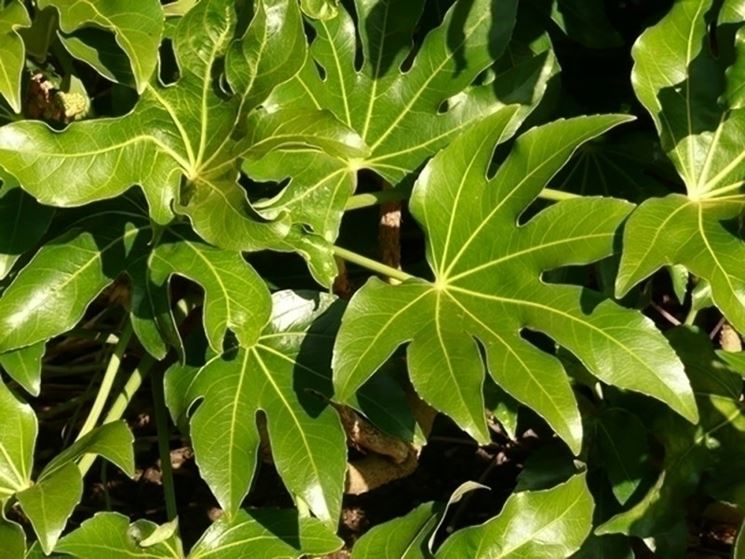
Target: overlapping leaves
(684,85)
(403,109)
(487,287)
(715,444)
(269,534)
(49,500)
(179,143)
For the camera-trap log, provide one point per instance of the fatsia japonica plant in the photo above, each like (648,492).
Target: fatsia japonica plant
(311,276)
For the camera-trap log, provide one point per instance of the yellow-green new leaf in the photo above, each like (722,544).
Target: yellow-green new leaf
(488,288)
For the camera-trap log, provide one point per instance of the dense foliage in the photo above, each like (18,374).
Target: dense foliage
(333,232)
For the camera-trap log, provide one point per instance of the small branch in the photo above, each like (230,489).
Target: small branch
(397,194)
(372,265)
(666,315)
(557,195)
(164,449)
(120,404)
(107,383)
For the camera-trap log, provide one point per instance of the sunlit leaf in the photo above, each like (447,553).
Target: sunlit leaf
(13,16)
(680,81)
(286,374)
(488,287)
(548,524)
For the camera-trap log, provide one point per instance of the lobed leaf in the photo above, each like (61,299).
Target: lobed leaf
(488,287)
(404,112)
(138,32)
(286,374)
(683,85)
(188,132)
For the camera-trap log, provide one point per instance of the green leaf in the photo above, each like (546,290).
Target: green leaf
(24,366)
(681,82)
(410,536)
(320,9)
(690,450)
(538,524)
(49,503)
(624,452)
(112,532)
(18,431)
(286,374)
(266,534)
(49,296)
(404,116)
(23,222)
(236,298)
(13,539)
(488,287)
(138,32)
(13,16)
(112,441)
(187,131)
(400,538)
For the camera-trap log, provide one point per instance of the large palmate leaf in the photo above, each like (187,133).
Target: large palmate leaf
(548,524)
(681,82)
(179,143)
(13,16)
(488,287)
(403,115)
(137,32)
(286,374)
(262,534)
(48,298)
(715,444)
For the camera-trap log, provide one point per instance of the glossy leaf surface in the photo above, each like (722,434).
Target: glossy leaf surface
(13,16)
(403,112)
(286,374)
(487,287)
(538,524)
(174,133)
(138,32)
(681,82)
(690,450)
(17,439)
